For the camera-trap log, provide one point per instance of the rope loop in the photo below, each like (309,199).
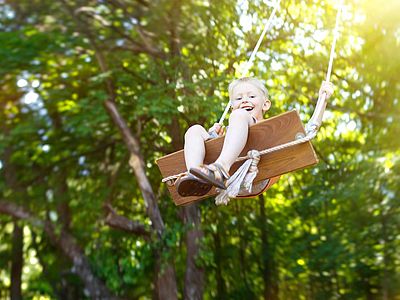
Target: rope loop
(255,157)
(254,154)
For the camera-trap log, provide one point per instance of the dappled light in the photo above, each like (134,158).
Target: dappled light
(93,93)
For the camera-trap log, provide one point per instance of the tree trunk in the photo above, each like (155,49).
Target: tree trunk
(268,267)
(164,272)
(94,288)
(242,247)
(16,262)
(194,275)
(221,289)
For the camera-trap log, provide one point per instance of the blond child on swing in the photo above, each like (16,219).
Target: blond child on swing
(249,101)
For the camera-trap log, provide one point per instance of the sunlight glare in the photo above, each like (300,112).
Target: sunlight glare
(22,83)
(246,22)
(352,125)
(35,83)
(30,98)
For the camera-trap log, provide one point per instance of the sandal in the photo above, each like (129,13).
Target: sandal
(190,185)
(213,174)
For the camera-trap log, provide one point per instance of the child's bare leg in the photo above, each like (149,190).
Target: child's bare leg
(236,138)
(194,152)
(194,146)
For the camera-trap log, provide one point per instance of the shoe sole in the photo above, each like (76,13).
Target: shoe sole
(193,187)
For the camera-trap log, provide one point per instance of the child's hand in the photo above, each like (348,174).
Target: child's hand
(326,87)
(218,129)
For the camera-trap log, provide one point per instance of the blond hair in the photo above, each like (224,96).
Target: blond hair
(252,80)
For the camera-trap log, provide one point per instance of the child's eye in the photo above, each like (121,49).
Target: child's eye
(252,96)
(239,98)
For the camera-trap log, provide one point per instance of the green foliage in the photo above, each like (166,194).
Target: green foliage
(329,232)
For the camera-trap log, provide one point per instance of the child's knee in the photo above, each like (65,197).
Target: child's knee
(239,114)
(196,130)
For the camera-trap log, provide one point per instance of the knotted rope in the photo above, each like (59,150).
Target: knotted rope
(242,180)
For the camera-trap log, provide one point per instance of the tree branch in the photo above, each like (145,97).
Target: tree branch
(11,209)
(122,223)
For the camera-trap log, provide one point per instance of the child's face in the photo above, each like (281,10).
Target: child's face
(248,97)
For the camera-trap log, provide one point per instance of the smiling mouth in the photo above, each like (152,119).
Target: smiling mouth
(248,108)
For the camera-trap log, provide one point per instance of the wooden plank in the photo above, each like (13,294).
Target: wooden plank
(265,134)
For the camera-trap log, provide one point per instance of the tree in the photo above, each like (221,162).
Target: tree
(93,92)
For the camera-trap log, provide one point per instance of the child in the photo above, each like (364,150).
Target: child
(249,101)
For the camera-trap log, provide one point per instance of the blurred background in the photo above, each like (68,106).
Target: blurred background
(93,92)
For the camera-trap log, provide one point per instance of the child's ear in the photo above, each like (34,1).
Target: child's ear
(266,105)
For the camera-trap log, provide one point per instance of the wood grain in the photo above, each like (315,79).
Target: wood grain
(263,135)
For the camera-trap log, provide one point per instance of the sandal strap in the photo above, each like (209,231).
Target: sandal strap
(222,170)
(218,170)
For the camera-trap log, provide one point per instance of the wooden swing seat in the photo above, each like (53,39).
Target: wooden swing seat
(268,133)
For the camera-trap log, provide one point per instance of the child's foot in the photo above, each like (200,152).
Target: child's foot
(213,174)
(190,185)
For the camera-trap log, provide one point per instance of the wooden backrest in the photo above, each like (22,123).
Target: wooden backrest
(263,135)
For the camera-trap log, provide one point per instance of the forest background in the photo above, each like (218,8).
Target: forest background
(93,92)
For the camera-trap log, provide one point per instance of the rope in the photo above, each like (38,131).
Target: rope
(302,140)
(255,50)
(252,56)
(335,36)
(316,119)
